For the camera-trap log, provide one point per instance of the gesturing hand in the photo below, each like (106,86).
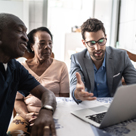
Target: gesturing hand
(80,92)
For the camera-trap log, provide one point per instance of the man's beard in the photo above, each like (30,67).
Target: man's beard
(97,57)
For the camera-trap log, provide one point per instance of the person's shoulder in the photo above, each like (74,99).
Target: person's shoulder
(58,62)
(23,63)
(112,50)
(14,63)
(59,65)
(83,52)
(79,55)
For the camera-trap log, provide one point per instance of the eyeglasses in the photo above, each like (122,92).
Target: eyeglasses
(101,42)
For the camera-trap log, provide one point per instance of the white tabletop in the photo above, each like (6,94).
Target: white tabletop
(69,125)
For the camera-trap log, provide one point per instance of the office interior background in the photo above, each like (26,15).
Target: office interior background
(63,16)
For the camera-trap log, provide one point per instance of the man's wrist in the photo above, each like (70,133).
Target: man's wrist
(75,94)
(48,107)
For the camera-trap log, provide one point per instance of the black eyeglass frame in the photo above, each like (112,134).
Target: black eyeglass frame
(96,42)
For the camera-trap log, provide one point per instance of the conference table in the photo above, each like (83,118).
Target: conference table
(69,125)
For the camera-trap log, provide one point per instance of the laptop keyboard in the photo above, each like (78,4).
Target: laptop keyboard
(97,117)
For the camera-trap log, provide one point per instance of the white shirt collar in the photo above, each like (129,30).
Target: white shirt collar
(5,66)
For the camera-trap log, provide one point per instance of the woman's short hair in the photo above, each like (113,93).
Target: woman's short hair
(32,33)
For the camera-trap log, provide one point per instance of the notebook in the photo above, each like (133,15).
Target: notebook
(122,108)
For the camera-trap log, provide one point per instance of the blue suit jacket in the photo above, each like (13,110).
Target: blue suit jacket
(118,64)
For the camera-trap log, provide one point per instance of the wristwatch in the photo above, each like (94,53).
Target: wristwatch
(48,107)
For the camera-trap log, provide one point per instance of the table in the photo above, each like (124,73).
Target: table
(68,125)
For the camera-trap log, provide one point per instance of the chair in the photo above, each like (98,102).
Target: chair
(133,58)
(14,112)
(52,55)
(28,55)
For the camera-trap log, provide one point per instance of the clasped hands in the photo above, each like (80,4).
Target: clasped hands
(80,92)
(30,117)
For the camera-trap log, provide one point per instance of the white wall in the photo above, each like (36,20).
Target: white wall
(62,16)
(103,12)
(127,25)
(18,8)
(73,44)
(35,13)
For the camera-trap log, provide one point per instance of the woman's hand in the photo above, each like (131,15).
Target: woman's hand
(30,117)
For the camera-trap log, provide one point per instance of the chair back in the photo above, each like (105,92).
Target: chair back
(132,57)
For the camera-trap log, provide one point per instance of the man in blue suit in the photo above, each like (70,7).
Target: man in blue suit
(97,71)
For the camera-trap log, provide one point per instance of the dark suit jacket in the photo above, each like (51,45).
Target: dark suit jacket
(118,64)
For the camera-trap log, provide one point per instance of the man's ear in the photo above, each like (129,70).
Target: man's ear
(83,41)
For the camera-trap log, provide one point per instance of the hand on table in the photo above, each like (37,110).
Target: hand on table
(44,124)
(80,92)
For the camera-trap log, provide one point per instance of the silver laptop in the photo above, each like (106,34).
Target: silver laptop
(122,108)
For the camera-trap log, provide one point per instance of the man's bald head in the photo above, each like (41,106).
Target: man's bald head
(13,37)
(6,19)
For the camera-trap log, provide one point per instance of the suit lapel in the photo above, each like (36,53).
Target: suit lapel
(90,69)
(109,69)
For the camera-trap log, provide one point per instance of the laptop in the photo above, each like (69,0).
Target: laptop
(122,108)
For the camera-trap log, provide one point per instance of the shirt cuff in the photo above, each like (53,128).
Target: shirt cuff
(76,100)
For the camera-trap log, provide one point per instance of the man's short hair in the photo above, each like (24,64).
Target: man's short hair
(92,25)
